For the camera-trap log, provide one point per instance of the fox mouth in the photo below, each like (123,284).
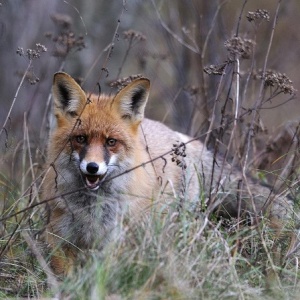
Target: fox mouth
(92,181)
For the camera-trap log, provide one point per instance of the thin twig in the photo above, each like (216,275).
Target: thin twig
(15,97)
(115,34)
(173,34)
(260,96)
(124,58)
(213,22)
(240,18)
(203,53)
(107,48)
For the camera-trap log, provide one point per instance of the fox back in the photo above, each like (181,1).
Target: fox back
(106,161)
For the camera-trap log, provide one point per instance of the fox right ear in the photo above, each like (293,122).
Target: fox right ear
(130,102)
(69,98)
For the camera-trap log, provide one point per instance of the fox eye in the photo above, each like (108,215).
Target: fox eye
(110,142)
(81,139)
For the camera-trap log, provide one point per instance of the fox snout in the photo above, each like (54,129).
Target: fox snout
(92,173)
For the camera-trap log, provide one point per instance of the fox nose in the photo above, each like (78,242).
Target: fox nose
(92,168)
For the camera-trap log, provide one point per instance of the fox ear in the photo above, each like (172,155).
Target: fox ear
(69,98)
(131,100)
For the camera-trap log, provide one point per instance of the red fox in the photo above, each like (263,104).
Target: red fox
(105,160)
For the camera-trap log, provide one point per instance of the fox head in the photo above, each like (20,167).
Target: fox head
(96,134)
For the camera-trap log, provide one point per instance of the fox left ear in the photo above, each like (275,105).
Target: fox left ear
(131,100)
(69,98)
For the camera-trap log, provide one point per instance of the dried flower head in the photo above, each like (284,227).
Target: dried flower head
(41,48)
(132,35)
(122,82)
(278,80)
(65,41)
(240,47)
(215,69)
(178,154)
(32,54)
(258,15)
(30,76)
(20,51)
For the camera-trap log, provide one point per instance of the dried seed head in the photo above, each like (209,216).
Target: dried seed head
(34,81)
(122,82)
(215,69)
(278,80)
(66,41)
(32,54)
(178,154)
(240,47)
(29,76)
(20,51)
(132,35)
(41,48)
(258,15)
